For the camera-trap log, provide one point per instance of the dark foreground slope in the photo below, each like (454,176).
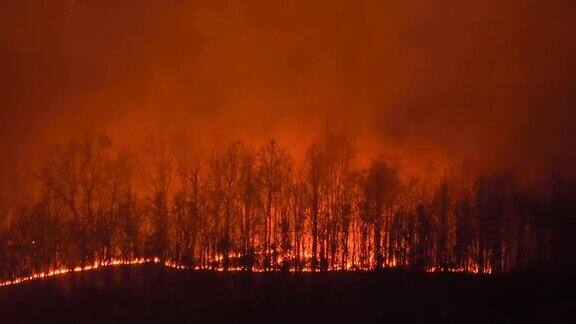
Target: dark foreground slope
(153,294)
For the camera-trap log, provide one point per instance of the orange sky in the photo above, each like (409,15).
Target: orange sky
(487,82)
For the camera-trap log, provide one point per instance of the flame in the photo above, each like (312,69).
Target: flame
(93,266)
(471,268)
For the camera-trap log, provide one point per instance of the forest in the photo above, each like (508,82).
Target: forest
(247,208)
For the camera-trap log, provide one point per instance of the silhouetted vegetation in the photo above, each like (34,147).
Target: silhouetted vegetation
(247,208)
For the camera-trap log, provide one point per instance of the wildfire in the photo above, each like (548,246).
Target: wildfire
(471,268)
(93,266)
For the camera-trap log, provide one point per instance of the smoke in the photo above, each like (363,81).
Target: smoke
(483,82)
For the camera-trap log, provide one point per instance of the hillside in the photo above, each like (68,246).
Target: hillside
(150,293)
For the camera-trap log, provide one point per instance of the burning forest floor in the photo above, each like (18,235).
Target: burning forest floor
(153,293)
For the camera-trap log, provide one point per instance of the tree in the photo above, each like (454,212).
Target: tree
(381,188)
(159,171)
(442,211)
(250,200)
(273,163)
(258,209)
(75,177)
(315,174)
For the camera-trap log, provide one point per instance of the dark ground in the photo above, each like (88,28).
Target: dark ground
(153,294)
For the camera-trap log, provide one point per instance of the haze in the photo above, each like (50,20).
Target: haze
(486,83)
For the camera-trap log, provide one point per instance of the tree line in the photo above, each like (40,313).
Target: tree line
(258,208)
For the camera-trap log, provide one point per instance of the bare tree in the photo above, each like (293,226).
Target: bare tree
(380,192)
(258,209)
(271,166)
(250,199)
(75,176)
(159,170)
(315,174)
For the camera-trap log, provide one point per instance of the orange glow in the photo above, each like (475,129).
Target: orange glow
(472,269)
(285,136)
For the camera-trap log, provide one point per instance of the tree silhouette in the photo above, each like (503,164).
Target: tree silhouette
(260,209)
